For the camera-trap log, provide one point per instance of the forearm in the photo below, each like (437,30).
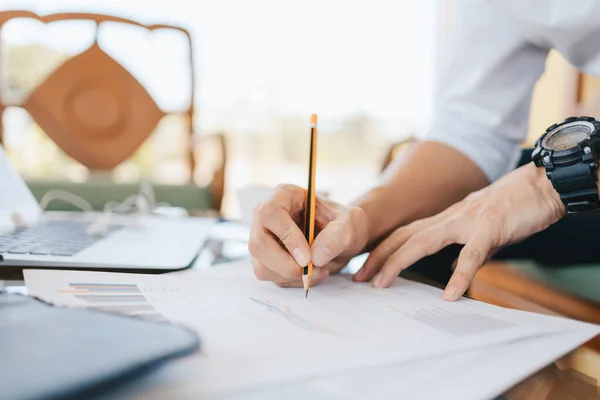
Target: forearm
(431,177)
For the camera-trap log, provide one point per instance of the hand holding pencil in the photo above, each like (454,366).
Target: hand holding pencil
(280,249)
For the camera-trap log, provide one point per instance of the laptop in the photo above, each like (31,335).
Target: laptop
(71,353)
(146,243)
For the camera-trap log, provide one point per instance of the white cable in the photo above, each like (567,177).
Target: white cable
(100,226)
(68,197)
(134,206)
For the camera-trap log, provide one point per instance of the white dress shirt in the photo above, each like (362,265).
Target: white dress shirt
(492,55)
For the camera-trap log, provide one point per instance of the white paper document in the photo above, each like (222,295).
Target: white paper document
(477,374)
(257,336)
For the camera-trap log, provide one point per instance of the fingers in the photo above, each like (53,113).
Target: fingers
(319,275)
(397,239)
(290,197)
(265,274)
(276,216)
(339,235)
(280,223)
(471,257)
(381,253)
(269,253)
(325,211)
(279,247)
(424,243)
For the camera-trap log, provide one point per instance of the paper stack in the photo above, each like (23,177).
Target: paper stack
(346,340)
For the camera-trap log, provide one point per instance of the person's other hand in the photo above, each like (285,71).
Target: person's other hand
(513,208)
(279,248)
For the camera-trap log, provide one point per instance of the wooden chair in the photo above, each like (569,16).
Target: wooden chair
(97,112)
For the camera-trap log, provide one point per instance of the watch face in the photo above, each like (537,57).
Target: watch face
(567,136)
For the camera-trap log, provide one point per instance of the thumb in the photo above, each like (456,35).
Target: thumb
(342,234)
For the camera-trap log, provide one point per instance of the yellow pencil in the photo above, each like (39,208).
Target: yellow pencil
(309,230)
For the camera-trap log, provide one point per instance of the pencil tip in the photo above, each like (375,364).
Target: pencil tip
(306,294)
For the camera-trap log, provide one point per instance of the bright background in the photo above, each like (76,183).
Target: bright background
(262,68)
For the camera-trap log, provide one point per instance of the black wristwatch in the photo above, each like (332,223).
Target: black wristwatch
(569,152)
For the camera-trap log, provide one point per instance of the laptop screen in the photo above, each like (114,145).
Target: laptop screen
(16,200)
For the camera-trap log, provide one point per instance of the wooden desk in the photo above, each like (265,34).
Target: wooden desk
(575,376)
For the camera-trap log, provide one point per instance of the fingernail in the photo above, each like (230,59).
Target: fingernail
(321,255)
(300,257)
(449,293)
(378,281)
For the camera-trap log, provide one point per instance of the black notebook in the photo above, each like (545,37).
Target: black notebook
(49,352)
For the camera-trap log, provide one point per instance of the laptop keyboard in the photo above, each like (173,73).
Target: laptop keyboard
(57,238)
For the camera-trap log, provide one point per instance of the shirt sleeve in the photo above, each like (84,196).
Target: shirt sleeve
(484,85)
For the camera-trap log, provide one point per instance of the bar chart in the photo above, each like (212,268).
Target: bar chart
(455,323)
(125,299)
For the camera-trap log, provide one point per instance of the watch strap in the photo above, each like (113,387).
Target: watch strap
(577,186)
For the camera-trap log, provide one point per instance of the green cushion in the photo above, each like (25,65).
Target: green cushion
(579,280)
(98,193)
